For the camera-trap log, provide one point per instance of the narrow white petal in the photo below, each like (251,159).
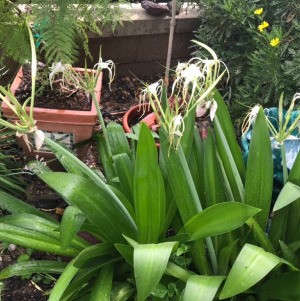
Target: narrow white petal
(39,138)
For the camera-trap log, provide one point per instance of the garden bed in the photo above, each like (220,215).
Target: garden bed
(115,101)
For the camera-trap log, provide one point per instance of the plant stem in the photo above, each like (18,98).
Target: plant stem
(33,70)
(101,121)
(260,235)
(284,166)
(177,272)
(170,44)
(212,255)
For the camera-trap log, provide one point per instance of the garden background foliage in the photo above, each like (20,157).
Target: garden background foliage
(259,72)
(58,27)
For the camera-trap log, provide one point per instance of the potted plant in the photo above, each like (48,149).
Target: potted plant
(38,122)
(67,126)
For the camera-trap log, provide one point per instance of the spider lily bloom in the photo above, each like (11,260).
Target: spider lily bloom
(55,69)
(191,74)
(176,129)
(155,88)
(39,138)
(154,92)
(197,78)
(187,73)
(263,25)
(151,90)
(274,42)
(108,65)
(202,109)
(250,118)
(258,11)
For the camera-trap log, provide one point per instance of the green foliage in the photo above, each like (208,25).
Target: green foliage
(14,37)
(61,27)
(259,72)
(218,247)
(105,211)
(11,178)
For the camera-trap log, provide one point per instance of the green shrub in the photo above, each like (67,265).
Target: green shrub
(259,72)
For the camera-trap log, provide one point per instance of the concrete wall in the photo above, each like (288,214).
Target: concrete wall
(140,45)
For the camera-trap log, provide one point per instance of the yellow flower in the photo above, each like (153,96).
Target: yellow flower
(263,25)
(258,11)
(274,42)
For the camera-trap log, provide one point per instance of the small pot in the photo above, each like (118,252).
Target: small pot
(137,114)
(67,126)
(140,113)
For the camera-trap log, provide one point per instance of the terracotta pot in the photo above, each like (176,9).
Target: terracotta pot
(67,126)
(139,113)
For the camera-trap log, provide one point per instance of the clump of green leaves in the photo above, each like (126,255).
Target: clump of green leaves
(216,208)
(262,63)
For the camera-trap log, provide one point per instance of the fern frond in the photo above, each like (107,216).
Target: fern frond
(63,25)
(14,38)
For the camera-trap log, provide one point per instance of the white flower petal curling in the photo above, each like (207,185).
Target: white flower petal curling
(39,138)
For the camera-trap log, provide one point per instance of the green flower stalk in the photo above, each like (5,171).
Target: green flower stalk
(284,131)
(25,122)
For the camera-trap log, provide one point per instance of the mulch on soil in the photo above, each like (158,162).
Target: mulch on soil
(59,96)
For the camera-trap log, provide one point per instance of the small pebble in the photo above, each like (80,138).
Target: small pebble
(12,247)
(106,95)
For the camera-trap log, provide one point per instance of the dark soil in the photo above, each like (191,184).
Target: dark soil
(33,287)
(122,95)
(23,290)
(60,96)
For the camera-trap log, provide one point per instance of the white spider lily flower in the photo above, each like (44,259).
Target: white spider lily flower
(176,129)
(56,68)
(213,106)
(208,65)
(180,67)
(202,108)
(191,74)
(177,125)
(250,118)
(186,74)
(153,89)
(39,138)
(254,112)
(108,65)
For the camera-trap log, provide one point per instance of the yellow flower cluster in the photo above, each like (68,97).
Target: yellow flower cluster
(274,42)
(258,11)
(263,25)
